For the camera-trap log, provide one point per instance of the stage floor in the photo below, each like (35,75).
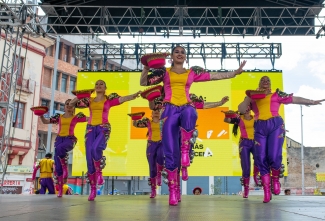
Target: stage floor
(127,207)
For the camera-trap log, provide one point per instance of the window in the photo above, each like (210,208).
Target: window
(72,84)
(18,66)
(61,107)
(49,50)
(95,66)
(80,63)
(19,112)
(45,103)
(64,80)
(56,106)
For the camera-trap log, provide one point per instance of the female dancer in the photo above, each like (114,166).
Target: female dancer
(246,146)
(98,130)
(65,140)
(270,132)
(155,155)
(178,113)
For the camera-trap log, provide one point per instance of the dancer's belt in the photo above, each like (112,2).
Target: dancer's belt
(242,138)
(46,175)
(269,118)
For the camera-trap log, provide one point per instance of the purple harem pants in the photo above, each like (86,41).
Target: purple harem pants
(96,141)
(47,183)
(269,137)
(246,147)
(173,118)
(62,146)
(155,155)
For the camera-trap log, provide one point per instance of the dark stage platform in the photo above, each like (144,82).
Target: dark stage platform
(202,208)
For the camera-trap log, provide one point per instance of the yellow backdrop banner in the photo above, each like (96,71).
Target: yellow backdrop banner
(216,150)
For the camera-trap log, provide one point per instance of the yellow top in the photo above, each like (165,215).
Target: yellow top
(65,188)
(97,109)
(247,128)
(46,165)
(178,88)
(65,126)
(155,131)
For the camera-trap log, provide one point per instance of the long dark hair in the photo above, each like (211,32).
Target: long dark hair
(235,130)
(177,46)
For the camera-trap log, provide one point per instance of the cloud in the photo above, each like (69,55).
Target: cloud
(313,118)
(317,67)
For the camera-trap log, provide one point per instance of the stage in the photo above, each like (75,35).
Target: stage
(129,207)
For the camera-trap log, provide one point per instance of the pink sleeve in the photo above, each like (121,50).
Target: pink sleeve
(285,99)
(114,102)
(204,76)
(198,105)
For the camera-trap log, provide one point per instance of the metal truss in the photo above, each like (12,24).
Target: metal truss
(10,64)
(182,20)
(14,13)
(202,51)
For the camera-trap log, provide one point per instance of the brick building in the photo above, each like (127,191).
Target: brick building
(23,131)
(313,163)
(67,69)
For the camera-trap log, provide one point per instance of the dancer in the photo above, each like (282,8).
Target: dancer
(98,130)
(198,103)
(178,113)
(46,166)
(270,132)
(155,155)
(66,190)
(65,141)
(246,146)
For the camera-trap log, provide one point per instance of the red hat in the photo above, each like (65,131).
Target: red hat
(151,93)
(39,110)
(256,94)
(83,93)
(136,116)
(230,114)
(154,60)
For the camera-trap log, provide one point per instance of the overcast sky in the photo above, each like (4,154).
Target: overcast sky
(303,66)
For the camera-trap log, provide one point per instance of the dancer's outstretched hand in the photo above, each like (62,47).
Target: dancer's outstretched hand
(225,99)
(137,94)
(240,69)
(317,102)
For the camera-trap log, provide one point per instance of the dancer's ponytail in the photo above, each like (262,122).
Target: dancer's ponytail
(235,130)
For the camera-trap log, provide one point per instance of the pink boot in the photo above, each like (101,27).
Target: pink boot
(246,186)
(64,168)
(266,183)
(60,185)
(275,184)
(257,178)
(172,184)
(153,187)
(99,165)
(159,169)
(184,173)
(179,193)
(185,147)
(93,182)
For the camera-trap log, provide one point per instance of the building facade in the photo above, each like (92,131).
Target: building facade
(23,137)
